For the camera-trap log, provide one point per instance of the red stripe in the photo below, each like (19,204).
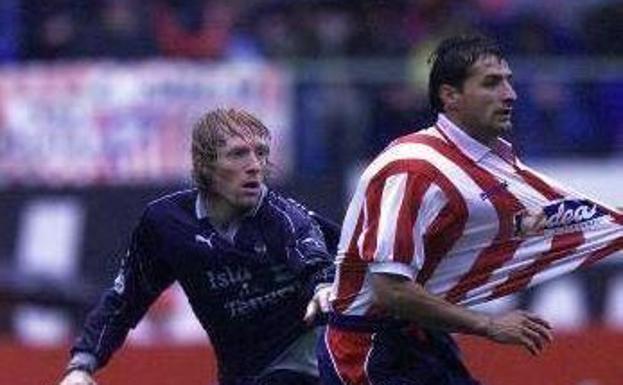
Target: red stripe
(349,351)
(410,138)
(539,184)
(404,244)
(351,274)
(374,193)
(562,246)
(502,247)
(445,230)
(352,245)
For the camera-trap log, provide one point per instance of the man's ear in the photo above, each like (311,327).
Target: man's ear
(449,96)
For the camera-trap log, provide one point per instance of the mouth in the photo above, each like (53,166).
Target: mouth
(251,187)
(505,113)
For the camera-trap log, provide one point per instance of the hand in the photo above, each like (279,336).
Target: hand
(319,303)
(78,377)
(520,328)
(531,222)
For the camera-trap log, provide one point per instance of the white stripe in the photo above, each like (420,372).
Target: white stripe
(433,201)
(391,201)
(364,298)
(350,221)
(366,362)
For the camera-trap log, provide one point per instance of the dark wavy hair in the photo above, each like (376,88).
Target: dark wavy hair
(452,60)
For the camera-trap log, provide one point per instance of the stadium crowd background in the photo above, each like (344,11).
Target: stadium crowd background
(343,78)
(579,106)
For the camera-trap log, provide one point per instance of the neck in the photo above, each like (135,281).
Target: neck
(221,212)
(483,136)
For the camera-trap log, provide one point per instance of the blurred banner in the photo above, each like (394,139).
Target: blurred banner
(105,123)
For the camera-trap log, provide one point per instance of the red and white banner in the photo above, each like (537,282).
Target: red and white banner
(112,123)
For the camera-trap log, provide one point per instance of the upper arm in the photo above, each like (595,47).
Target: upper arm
(143,274)
(307,251)
(330,231)
(397,211)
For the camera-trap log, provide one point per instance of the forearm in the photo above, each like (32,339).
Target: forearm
(106,328)
(407,300)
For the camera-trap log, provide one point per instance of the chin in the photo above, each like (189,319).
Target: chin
(505,128)
(248,203)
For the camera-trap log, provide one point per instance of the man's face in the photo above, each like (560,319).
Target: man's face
(484,105)
(239,171)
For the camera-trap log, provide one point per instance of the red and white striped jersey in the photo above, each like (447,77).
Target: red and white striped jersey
(468,222)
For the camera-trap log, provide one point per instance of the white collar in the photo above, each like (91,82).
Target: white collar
(470,146)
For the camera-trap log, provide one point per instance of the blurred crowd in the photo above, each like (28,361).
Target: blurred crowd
(580,117)
(220,29)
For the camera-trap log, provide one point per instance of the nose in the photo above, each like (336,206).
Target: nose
(255,163)
(509,93)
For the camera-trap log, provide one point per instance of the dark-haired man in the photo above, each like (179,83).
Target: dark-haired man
(446,218)
(252,263)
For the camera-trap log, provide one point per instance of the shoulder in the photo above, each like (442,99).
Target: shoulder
(279,201)
(411,154)
(178,203)
(287,208)
(422,136)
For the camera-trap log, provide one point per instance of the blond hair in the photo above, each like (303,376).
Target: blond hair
(211,131)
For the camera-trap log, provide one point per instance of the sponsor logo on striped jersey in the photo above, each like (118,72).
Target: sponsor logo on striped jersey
(561,216)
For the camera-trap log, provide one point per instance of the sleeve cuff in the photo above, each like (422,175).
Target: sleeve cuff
(82,361)
(396,268)
(321,286)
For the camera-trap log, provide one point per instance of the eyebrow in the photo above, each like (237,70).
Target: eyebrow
(238,147)
(507,75)
(263,146)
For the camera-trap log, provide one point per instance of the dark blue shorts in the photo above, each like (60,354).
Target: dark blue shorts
(354,354)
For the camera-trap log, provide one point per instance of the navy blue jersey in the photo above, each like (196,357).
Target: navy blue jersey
(250,295)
